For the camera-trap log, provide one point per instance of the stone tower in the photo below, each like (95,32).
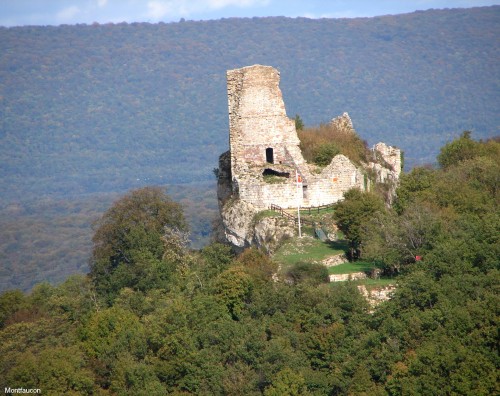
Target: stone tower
(260,133)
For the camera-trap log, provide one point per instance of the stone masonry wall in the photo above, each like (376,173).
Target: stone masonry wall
(257,118)
(263,139)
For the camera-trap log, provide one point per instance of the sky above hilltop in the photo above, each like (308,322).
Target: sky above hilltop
(57,12)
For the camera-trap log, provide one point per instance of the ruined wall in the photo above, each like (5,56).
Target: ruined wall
(263,141)
(392,156)
(333,181)
(258,120)
(260,168)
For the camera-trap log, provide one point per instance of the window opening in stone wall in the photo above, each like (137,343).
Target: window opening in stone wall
(304,192)
(269,155)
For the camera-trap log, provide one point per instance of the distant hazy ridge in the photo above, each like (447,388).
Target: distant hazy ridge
(99,108)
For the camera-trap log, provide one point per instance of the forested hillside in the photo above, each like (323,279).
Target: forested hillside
(100,109)
(111,107)
(50,239)
(154,318)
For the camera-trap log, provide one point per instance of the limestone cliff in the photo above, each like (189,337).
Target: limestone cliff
(241,223)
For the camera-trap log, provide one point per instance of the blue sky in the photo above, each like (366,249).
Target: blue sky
(56,12)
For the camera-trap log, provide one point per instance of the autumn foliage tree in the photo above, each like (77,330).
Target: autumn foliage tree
(320,144)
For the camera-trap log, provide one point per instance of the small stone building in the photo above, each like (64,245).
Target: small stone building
(265,161)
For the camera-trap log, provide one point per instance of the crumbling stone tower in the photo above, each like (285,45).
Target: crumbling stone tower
(263,142)
(260,133)
(264,158)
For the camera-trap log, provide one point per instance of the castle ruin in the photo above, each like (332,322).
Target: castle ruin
(265,166)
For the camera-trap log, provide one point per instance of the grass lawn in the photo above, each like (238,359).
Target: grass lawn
(348,268)
(265,213)
(307,249)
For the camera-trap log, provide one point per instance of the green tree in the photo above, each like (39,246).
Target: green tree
(412,185)
(324,154)
(312,273)
(353,213)
(10,302)
(287,383)
(394,241)
(299,124)
(233,288)
(109,334)
(128,239)
(257,264)
(56,370)
(458,150)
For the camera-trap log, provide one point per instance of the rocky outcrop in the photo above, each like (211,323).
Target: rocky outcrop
(237,218)
(244,228)
(347,277)
(387,162)
(377,295)
(333,261)
(270,232)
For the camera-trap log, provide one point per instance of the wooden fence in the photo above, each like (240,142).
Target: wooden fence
(290,216)
(312,209)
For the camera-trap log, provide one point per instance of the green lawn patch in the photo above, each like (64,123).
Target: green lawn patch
(307,249)
(348,268)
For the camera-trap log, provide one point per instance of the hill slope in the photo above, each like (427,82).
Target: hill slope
(86,111)
(110,107)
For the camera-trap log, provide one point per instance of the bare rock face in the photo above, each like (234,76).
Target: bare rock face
(271,231)
(243,230)
(387,167)
(237,216)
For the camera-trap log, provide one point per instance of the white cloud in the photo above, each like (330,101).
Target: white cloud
(102,3)
(157,9)
(67,14)
(216,4)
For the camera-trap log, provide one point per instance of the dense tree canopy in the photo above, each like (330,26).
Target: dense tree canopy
(217,324)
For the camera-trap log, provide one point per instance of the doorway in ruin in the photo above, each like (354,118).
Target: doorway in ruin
(269,155)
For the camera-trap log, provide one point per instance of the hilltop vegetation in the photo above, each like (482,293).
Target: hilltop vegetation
(175,321)
(319,145)
(91,111)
